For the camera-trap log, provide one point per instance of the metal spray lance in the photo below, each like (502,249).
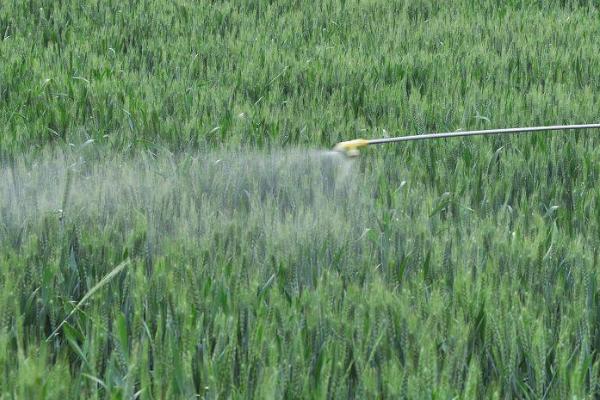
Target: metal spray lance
(350,148)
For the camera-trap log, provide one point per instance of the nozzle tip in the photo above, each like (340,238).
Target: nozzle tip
(350,147)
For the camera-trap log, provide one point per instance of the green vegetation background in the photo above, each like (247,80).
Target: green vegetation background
(470,270)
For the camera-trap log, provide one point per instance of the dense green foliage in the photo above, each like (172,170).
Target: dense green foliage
(191,249)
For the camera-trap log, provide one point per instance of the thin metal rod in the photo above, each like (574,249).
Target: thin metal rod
(427,136)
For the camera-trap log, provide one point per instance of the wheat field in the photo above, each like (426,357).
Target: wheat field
(173,224)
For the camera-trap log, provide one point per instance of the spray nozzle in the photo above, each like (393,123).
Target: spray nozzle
(350,147)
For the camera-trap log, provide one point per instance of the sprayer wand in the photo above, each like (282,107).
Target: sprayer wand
(350,148)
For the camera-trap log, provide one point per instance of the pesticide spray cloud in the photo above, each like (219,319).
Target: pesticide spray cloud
(283,197)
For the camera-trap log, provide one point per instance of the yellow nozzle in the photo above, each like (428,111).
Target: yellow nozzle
(350,147)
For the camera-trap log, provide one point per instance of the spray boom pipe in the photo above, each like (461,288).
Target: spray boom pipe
(350,148)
